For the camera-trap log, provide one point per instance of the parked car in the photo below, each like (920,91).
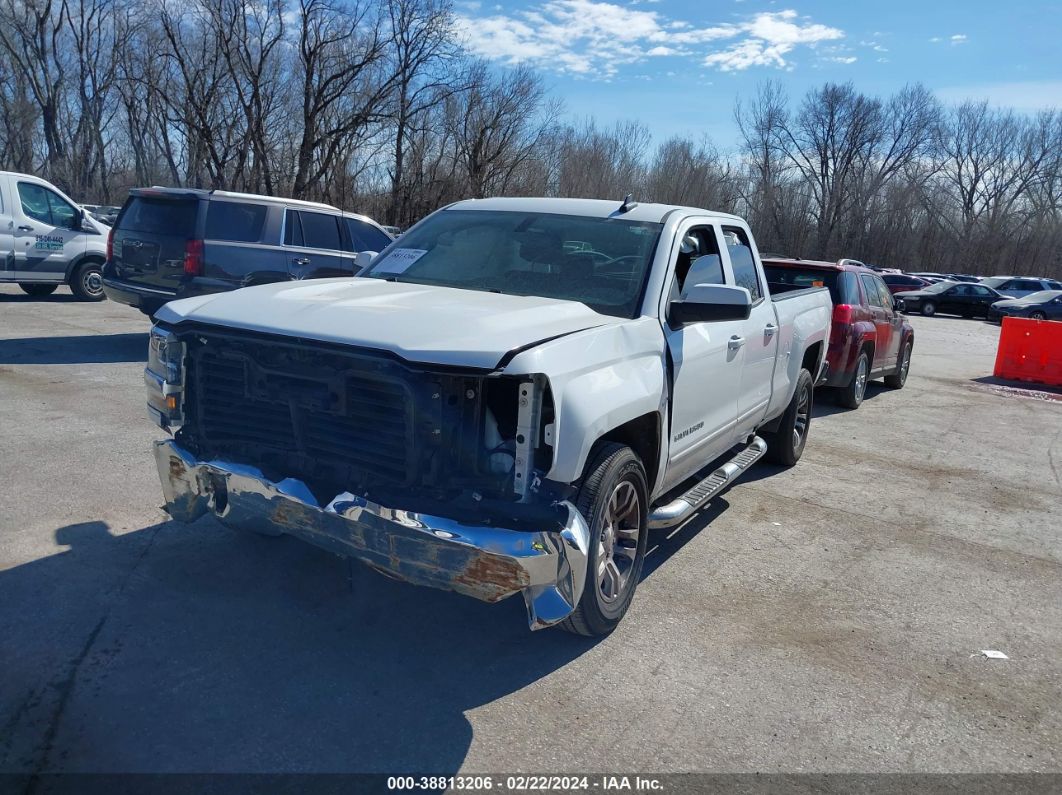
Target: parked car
(869,337)
(929,276)
(393,231)
(955,298)
(176,243)
(1018,287)
(487,411)
(1044,305)
(962,277)
(47,240)
(901,282)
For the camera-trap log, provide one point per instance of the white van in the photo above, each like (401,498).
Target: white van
(47,240)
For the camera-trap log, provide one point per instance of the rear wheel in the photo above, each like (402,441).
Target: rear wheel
(929,308)
(851,396)
(614,500)
(87,282)
(1038,316)
(785,445)
(899,378)
(37,290)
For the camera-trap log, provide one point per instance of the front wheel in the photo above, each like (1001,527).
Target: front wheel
(87,282)
(614,500)
(1038,316)
(37,290)
(785,445)
(899,378)
(929,308)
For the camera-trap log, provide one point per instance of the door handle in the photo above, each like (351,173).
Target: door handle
(24,228)
(770,329)
(301,260)
(735,342)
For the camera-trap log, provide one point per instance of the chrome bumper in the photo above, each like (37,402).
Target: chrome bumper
(489,563)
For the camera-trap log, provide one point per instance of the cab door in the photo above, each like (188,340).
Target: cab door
(706,360)
(47,233)
(758,336)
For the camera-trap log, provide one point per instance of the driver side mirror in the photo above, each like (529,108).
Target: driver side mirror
(363,260)
(77,222)
(707,302)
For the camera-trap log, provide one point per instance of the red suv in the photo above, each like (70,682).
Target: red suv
(869,338)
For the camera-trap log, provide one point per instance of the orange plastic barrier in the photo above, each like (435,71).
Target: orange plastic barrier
(1030,350)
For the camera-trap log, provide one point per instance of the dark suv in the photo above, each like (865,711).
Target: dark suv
(170,243)
(868,338)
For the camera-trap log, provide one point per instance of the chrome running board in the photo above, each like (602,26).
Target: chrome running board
(682,508)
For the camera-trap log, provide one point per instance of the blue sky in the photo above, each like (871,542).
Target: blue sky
(678,65)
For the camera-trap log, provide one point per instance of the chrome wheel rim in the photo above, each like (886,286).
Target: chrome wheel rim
(905,365)
(803,417)
(617,545)
(94,282)
(861,378)
(1038,316)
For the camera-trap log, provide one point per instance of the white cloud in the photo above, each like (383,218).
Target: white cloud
(595,38)
(958,38)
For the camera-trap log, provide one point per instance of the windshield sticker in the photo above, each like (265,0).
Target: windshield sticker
(399,260)
(49,243)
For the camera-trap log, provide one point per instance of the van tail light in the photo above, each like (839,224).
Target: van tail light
(110,245)
(193,257)
(842,314)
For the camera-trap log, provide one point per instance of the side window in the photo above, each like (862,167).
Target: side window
(320,231)
(884,294)
(63,213)
(871,289)
(1029,285)
(34,200)
(849,288)
(698,260)
(366,237)
(235,221)
(981,291)
(742,261)
(292,228)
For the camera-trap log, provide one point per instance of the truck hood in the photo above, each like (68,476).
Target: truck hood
(420,323)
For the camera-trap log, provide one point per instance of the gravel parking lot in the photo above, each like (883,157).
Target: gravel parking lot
(824,618)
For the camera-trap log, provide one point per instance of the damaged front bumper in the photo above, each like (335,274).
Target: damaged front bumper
(490,563)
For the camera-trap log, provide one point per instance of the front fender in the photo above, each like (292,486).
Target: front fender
(601,378)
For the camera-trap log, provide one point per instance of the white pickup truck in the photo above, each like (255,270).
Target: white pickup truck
(515,393)
(46,240)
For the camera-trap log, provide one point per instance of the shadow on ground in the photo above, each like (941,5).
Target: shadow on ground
(197,648)
(85,349)
(54,298)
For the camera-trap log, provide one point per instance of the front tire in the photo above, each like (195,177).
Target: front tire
(1037,316)
(87,282)
(614,500)
(899,378)
(37,290)
(929,308)
(851,396)
(785,445)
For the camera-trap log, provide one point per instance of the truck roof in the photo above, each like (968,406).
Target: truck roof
(593,208)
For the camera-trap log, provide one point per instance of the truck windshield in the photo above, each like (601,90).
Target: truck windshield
(600,262)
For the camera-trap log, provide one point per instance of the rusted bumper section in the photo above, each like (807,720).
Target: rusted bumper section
(489,563)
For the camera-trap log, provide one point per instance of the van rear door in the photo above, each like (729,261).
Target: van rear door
(152,235)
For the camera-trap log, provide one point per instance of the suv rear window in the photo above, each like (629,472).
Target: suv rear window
(842,288)
(237,222)
(174,217)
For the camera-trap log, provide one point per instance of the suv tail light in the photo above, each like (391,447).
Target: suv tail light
(842,313)
(110,245)
(193,257)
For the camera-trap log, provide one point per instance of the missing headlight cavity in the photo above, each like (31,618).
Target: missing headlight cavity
(518,411)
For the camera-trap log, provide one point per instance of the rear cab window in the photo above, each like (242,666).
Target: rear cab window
(742,261)
(235,222)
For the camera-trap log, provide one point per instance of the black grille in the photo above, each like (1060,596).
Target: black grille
(318,415)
